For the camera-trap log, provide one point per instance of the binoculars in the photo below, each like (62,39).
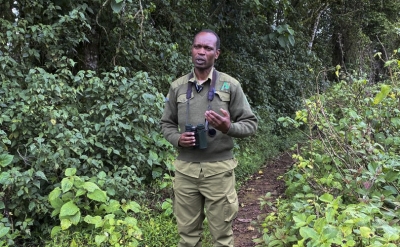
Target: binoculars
(199,134)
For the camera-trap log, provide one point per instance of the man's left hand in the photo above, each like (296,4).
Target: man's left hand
(221,123)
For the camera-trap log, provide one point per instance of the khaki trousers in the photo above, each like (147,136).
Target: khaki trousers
(213,197)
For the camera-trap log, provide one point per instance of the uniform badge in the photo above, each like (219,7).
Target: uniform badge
(225,86)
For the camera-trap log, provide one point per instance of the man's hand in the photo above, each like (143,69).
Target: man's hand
(221,123)
(187,139)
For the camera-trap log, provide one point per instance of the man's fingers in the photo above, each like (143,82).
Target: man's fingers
(226,113)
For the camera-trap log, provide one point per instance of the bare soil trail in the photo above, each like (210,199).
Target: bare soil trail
(245,226)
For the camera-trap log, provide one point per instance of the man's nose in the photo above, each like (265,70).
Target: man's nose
(202,51)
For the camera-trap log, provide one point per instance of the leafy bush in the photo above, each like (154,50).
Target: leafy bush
(82,206)
(344,188)
(52,122)
(266,144)
(158,230)
(6,235)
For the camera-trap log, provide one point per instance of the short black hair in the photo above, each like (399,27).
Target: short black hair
(215,34)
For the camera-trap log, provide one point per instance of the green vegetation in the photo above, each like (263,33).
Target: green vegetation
(344,189)
(82,159)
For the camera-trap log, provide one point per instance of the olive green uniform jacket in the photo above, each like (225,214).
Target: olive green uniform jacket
(228,96)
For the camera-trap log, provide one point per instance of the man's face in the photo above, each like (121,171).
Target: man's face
(204,51)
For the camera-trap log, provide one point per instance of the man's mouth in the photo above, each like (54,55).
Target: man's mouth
(200,60)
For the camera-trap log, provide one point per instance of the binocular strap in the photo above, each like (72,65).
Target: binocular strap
(210,96)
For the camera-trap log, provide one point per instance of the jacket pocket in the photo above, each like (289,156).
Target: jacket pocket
(182,98)
(223,96)
(224,99)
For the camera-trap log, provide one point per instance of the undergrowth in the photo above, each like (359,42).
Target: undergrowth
(344,189)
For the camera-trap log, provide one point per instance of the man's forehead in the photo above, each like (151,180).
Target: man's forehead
(208,44)
(205,38)
(204,43)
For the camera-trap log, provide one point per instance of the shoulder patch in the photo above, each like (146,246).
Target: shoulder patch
(225,86)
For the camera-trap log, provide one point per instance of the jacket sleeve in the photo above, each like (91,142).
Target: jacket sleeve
(169,119)
(244,122)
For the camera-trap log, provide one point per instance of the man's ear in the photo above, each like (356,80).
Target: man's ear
(217,53)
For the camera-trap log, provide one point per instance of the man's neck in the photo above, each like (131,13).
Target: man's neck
(202,75)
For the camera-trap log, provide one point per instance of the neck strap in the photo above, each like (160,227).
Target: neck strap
(210,96)
(211,90)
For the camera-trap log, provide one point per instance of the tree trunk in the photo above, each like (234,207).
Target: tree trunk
(315,29)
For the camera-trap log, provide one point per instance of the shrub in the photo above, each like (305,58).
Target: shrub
(97,124)
(344,188)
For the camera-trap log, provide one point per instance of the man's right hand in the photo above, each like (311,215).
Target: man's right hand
(187,139)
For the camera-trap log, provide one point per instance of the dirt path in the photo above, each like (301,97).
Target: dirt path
(259,184)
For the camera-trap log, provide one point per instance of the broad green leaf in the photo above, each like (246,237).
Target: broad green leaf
(78,183)
(100,239)
(54,194)
(353,114)
(395,122)
(385,90)
(391,233)
(117,5)
(41,175)
(330,232)
(346,230)
(36,183)
(98,195)
(326,197)
(300,220)
(112,207)
(153,155)
(32,205)
(66,184)
(4,177)
(76,218)
(134,206)
(97,221)
(65,224)
(4,231)
(307,232)
(70,172)
(366,232)
(320,224)
(90,186)
(148,96)
(55,230)
(102,175)
(73,243)
(280,233)
(291,40)
(68,209)
(282,41)
(5,159)
(278,242)
(55,212)
(131,221)
(56,203)
(110,191)
(80,192)
(109,217)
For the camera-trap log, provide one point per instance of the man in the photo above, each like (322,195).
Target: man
(212,104)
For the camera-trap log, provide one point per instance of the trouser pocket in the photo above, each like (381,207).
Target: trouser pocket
(231,207)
